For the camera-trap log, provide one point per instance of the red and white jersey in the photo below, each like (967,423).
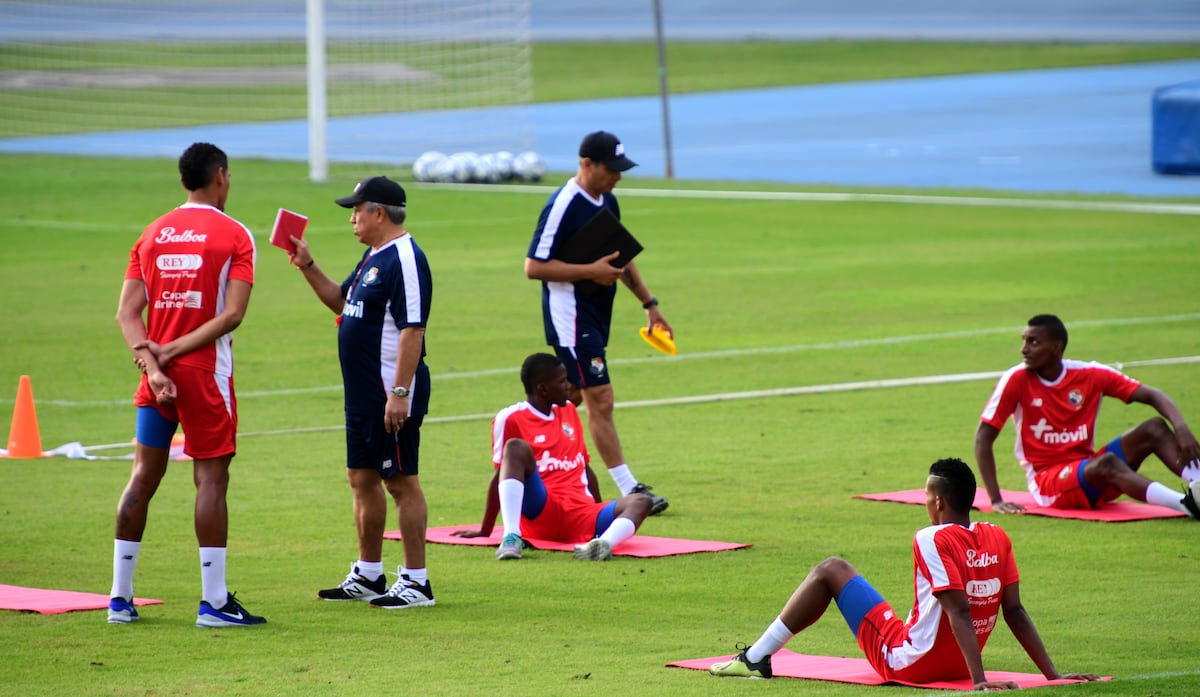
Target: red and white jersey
(186,258)
(1055,420)
(558,447)
(977,560)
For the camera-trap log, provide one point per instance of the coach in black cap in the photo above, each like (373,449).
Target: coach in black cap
(382,308)
(604,148)
(577,299)
(375,190)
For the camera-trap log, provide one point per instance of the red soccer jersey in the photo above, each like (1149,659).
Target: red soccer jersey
(978,561)
(186,258)
(1055,421)
(558,448)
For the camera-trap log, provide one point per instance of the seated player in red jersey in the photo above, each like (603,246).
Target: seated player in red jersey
(1054,403)
(544,487)
(964,575)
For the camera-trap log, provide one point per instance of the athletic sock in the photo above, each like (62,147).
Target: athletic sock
(125,558)
(370,570)
(1162,495)
(1191,472)
(212,576)
(420,576)
(620,530)
(624,478)
(512,494)
(776,635)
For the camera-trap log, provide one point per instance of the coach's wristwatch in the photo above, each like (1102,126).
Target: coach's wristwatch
(401,392)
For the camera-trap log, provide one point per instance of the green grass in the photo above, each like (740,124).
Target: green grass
(762,294)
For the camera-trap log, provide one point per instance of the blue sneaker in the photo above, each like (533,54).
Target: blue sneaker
(232,615)
(510,547)
(121,611)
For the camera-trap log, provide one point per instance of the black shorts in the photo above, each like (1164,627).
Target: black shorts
(370,446)
(586,364)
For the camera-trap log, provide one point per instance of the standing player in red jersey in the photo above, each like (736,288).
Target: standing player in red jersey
(186,289)
(1054,403)
(964,576)
(544,487)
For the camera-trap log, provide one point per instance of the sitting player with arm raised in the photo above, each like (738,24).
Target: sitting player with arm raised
(543,487)
(964,575)
(1054,403)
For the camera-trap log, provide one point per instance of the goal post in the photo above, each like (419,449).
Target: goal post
(456,73)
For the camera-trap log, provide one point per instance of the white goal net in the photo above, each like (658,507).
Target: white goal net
(402,76)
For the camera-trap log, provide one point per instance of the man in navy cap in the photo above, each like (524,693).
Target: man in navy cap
(577,317)
(382,307)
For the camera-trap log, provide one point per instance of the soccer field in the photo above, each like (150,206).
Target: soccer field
(819,347)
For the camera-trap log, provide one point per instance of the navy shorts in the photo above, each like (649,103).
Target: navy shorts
(586,364)
(369,445)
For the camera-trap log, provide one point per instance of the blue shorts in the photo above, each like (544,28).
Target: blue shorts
(153,429)
(858,597)
(586,364)
(370,446)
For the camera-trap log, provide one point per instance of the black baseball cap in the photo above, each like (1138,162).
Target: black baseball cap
(376,190)
(603,147)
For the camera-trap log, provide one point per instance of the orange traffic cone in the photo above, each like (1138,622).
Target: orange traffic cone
(24,438)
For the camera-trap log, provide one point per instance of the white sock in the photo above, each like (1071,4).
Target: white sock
(1191,472)
(1162,495)
(512,494)
(212,576)
(621,529)
(623,477)
(125,558)
(420,576)
(370,570)
(776,635)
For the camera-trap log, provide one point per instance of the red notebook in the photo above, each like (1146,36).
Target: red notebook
(288,224)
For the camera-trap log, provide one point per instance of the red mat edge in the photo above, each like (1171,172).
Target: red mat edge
(632,548)
(858,671)
(1116,512)
(83,601)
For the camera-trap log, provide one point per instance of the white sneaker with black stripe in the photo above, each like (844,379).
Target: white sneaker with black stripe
(405,593)
(355,587)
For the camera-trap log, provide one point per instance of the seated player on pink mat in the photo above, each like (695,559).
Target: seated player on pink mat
(964,574)
(544,487)
(1053,403)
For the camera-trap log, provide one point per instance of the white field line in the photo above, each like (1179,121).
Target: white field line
(719,397)
(1015,331)
(1144,207)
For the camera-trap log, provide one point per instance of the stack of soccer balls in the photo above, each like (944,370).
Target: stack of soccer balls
(489,168)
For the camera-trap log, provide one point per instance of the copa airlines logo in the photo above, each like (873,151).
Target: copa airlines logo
(354,309)
(979,560)
(985,625)
(549,463)
(179,262)
(1045,433)
(983,588)
(174,300)
(169,235)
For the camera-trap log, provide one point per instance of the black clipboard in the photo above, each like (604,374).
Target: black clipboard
(600,236)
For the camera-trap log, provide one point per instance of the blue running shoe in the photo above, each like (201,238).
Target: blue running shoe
(121,611)
(231,615)
(510,547)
